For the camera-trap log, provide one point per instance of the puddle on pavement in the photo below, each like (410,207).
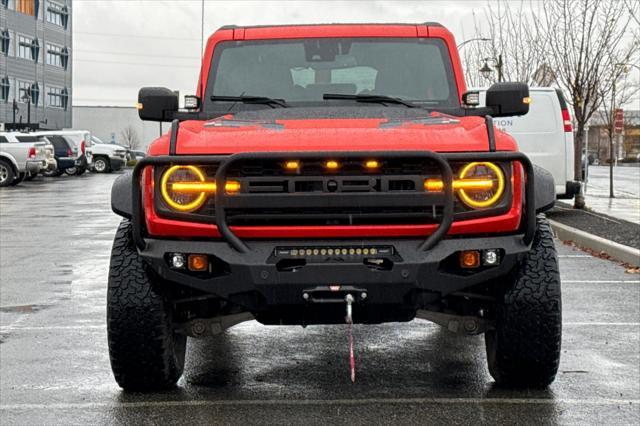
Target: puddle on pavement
(22,309)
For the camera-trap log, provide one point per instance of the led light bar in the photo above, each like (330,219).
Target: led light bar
(349,251)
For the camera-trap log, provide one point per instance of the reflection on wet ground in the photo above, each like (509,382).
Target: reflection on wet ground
(54,365)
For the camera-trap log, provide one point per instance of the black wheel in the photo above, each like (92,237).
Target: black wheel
(19,178)
(145,352)
(71,171)
(524,348)
(80,170)
(7,175)
(101,165)
(52,173)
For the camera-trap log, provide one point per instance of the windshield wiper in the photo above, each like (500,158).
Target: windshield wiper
(251,100)
(378,99)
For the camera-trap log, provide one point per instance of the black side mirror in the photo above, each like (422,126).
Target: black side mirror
(157,104)
(508,99)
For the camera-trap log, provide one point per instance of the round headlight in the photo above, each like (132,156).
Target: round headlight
(183,201)
(481,198)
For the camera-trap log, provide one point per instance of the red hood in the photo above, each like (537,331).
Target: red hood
(440,133)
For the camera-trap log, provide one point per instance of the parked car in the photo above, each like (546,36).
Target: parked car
(138,155)
(350,184)
(64,155)
(49,151)
(17,159)
(107,157)
(81,140)
(545,134)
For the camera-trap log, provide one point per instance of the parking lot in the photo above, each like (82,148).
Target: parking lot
(55,239)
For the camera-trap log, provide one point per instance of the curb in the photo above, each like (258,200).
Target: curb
(617,251)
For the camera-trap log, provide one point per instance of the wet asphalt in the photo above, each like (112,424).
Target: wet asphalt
(55,239)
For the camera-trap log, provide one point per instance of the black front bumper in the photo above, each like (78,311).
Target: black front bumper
(236,273)
(245,272)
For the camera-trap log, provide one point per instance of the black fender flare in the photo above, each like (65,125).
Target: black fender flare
(545,190)
(121,196)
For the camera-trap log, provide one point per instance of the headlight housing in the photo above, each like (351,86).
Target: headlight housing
(186,188)
(175,188)
(485,195)
(478,185)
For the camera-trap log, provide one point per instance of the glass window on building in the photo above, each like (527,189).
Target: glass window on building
(28,7)
(57,14)
(25,48)
(28,91)
(57,97)
(54,55)
(5,89)
(5,41)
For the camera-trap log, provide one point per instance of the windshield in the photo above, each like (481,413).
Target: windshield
(301,71)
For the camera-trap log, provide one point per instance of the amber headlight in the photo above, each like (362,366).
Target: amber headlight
(485,195)
(174,192)
(185,188)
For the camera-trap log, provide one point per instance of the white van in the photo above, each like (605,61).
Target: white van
(545,135)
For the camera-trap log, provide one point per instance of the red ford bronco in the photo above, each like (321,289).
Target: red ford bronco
(331,169)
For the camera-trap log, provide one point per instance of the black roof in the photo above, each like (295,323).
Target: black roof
(234,27)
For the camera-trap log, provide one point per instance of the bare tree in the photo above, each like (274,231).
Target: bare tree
(516,48)
(584,38)
(130,137)
(572,43)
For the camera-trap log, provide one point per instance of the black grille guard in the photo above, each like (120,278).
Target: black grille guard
(223,200)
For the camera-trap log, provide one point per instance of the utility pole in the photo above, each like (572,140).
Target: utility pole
(499,66)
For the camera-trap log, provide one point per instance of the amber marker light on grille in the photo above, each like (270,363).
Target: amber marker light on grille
(469,259)
(331,165)
(292,165)
(198,262)
(372,164)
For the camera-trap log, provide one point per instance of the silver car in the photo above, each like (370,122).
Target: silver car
(19,159)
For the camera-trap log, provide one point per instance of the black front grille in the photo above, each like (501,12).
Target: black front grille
(352,194)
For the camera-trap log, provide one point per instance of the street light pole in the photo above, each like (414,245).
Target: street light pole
(499,65)
(611,136)
(472,39)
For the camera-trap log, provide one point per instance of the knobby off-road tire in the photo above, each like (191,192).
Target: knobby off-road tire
(145,352)
(524,348)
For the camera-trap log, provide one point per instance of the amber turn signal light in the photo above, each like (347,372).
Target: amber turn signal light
(198,262)
(331,165)
(292,165)
(469,259)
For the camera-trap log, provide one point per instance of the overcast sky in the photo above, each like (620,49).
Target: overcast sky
(122,45)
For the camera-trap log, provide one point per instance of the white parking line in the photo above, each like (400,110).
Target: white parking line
(104,327)
(321,402)
(52,327)
(602,281)
(631,324)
